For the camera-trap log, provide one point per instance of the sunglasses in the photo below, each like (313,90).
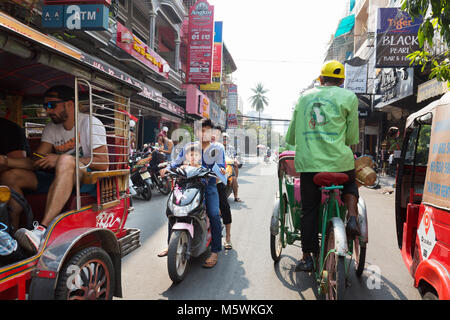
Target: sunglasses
(52,104)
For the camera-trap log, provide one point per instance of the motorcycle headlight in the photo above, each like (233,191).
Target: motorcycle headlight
(183,211)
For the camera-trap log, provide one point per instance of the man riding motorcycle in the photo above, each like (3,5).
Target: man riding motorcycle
(324,126)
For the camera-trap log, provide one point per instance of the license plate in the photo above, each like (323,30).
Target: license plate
(145,175)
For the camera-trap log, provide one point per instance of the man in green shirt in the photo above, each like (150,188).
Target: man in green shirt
(324,126)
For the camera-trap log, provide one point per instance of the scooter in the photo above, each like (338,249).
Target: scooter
(140,183)
(158,162)
(190,227)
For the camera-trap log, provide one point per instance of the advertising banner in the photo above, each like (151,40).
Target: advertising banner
(437,182)
(200,46)
(76,17)
(215,84)
(396,37)
(50,2)
(140,51)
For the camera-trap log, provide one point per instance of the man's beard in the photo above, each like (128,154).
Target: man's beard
(59,119)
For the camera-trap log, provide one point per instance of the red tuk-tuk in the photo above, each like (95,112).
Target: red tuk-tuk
(422,200)
(80,256)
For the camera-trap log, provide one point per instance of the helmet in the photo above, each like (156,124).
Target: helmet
(333,69)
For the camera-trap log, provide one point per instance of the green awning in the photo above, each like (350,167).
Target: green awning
(345,26)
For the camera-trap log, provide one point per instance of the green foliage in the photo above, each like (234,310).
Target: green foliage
(259,101)
(436,22)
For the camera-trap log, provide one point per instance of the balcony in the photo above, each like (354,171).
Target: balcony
(174,9)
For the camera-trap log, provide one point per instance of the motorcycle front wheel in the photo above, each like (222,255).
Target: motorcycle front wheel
(178,255)
(147,191)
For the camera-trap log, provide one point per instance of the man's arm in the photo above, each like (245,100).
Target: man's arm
(290,135)
(352,135)
(100,161)
(44,149)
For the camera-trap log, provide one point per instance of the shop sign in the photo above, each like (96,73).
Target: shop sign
(76,17)
(392,84)
(396,37)
(431,88)
(437,181)
(216,80)
(136,48)
(196,102)
(200,43)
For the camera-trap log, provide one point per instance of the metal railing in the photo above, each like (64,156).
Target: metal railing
(109,120)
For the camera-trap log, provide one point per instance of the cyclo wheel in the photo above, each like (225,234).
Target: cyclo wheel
(88,275)
(334,266)
(276,241)
(359,256)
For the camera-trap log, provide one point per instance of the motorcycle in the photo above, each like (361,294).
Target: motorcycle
(140,182)
(157,162)
(186,211)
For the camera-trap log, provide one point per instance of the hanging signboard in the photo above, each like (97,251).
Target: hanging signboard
(200,46)
(140,51)
(76,17)
(356,78)
(396,37)
(392,84)
(215,84)
(437,181)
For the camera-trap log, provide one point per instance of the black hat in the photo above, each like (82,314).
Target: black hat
(62,92)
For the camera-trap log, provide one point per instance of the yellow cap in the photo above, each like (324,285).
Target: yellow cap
(333,69)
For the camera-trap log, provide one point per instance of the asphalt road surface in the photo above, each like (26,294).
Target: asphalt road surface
(247,272)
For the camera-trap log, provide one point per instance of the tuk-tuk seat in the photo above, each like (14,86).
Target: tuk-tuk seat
(328,179)
(37,203)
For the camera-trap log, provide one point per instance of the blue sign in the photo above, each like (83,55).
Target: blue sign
(218,30)
(76,17)
(394,20)
(53,16)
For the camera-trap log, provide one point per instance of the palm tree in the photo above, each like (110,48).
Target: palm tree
(259,101)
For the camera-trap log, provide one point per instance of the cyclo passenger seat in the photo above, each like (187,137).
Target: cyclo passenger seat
(328,179)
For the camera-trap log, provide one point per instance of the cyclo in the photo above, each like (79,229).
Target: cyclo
(422,199)
(88,239)
(337,253)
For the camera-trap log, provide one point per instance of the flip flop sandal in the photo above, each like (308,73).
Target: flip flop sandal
(163,253)
(238,200)
(228,246)
(210,264)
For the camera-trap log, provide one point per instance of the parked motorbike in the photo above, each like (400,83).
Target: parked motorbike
(140,178)
(157,162)
(186,211)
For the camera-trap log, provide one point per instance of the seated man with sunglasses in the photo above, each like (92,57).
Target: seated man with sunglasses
(52,168)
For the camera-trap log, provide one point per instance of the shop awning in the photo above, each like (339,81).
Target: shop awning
(345,26)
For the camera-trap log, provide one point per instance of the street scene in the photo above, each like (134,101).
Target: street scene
(224,152)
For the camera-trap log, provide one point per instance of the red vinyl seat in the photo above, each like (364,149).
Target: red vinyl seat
(327,179)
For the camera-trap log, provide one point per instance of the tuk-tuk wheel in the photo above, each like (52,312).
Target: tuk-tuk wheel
(88,275)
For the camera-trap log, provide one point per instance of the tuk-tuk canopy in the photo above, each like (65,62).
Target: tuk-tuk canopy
(445,99)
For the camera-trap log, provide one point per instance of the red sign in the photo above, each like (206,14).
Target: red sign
(200,48)
(136,48)
(105,2)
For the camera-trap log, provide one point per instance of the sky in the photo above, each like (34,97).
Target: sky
(280,43)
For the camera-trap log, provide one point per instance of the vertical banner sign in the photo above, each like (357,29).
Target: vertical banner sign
(200,47)
(356,78)
(396,37)
(232,106)
(215,84)
(437,182)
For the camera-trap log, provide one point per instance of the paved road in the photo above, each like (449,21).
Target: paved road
(247,272)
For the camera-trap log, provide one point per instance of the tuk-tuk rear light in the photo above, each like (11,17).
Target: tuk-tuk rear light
(5,194)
